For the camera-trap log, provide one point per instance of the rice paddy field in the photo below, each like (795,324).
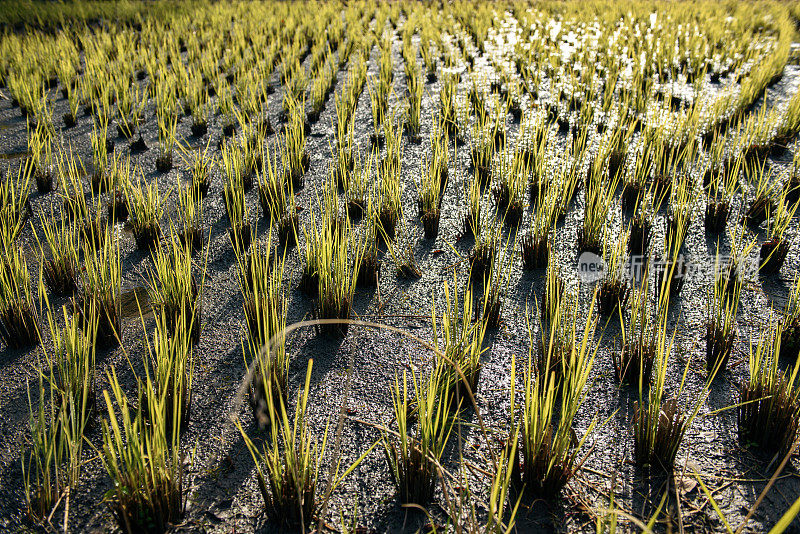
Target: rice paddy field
(399,267)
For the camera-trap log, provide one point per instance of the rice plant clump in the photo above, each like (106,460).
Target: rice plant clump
(634,362)
(174,290)
(261,281)
(548,448)
(288,465)
(773,251)
(659,421)
(169,370)
(147,206)
(614,289)
(142,455)
(790,324)
(65,412)
(336,283)
(768,413)
(18,318)
(721,323)
(99,295)
(460,347)
(413,453)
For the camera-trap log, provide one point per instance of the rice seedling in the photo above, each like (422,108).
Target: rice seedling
(261,281)
(510,175)
(288,465)
(369,265)
(502,509)
(71,186)
(722,186)
(344,146)
(391,163)
(494,290)
(534,143)
(767,412)
(773,251)
(197,101)
(617,151)
(271,188)
(66,391)
(119,173)
(548,452)
(99,296)
(18,317)
(357,195)
(432,181)
(598,204)
(413,456)
(763,201)
(319,90)
(614,290)
(167,124)
(671,268)
(378,106)
(483,254)
(447,103)
(236,207)
(482,148)
(198,164)
(169,366)
(415,91)
(40,144)
(667,161)
(659,422)
(330,206)
(309,278)
(191,213)
(757,132)
(234,163)
(536,244)
(429,59)
(557,318)
(130,102)
(287,224)
(405,261)
(389,208)
(635,186)
(639,230)
(15,206)
(721,323)
(70,118)
(147,208)
(75,204)
(174,291)
(680,213)
(459,351)
(633,363)
(60,269)
(226,107)
(294,156)
(44,476)
(472,217)
(335,277)
(143,457)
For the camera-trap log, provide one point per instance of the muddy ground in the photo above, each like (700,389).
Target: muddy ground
(353,376)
